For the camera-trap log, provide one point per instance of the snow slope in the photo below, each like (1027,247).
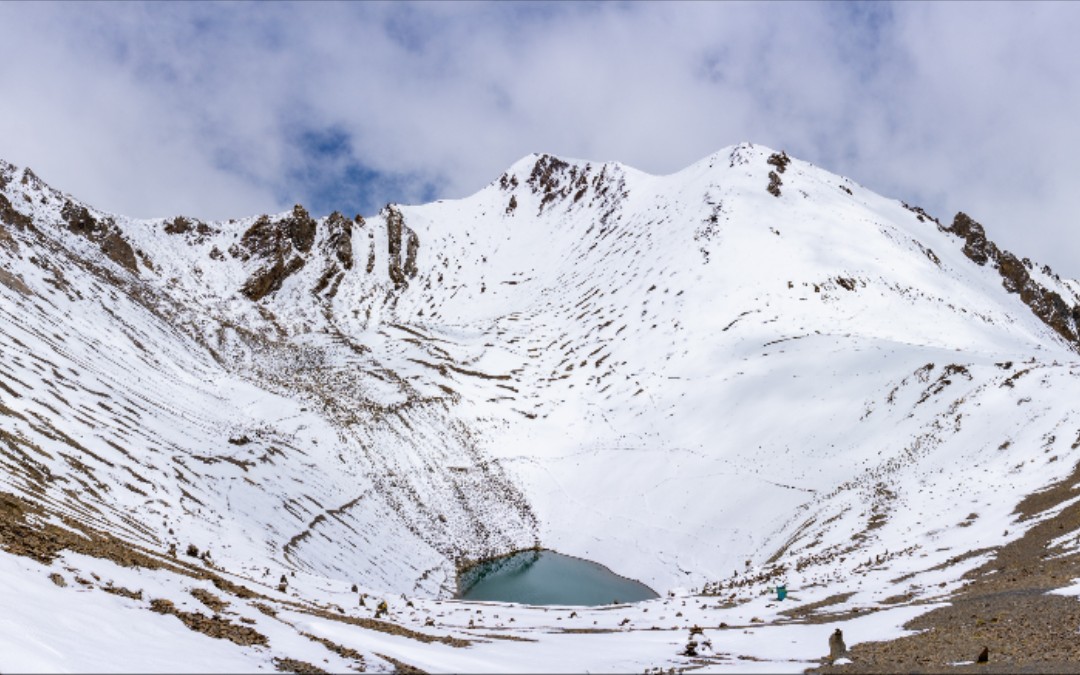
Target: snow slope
(747,372)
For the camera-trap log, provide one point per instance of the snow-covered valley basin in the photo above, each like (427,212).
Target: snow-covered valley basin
(544,577)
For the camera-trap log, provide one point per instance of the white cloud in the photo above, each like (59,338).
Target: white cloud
(197,108)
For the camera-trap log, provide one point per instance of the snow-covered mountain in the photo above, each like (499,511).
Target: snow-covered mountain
(749,371)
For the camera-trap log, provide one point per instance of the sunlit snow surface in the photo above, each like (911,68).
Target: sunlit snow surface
(684,378)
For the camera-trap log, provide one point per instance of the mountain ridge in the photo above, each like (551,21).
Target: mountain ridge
(747,371)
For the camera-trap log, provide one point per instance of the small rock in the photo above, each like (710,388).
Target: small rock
(837,648)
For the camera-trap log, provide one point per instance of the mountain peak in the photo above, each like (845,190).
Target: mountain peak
(751,372)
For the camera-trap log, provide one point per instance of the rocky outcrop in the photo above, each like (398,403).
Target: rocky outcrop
(558,181)
(267,280)
(780,161)
(267,238)
(337,250)
(6,172)
(976,246)
(774,184)
(104,232)
(397,233)
(412,247)
(117,249)
(10,216)
(339,238)
(196,231)
(394,225)
(1046,304)
(280,245)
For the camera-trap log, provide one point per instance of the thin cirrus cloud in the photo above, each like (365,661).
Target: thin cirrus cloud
(222,110)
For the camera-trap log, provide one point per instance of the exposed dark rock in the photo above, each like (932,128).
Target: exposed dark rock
(9,216)
(213,602)
(80,221)
(339,239)
(919,212)
(263,238)
(195,230)
(278,243)
(300,228)
(508,182)
(774,184)
(178,225)
(327,277)
(123,592)
(371,255)
(269,279)
(31,179)
(119,251)
(837,648)
(338,252)
(412,246)
(214,626)
(556,180)
(544,178)
(290,665)
(1046,304)
(7,171)
(779,160)
(394,224)
(396,230)
(976,246)
(267,238)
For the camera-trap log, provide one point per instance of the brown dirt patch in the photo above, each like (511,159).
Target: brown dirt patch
(214,626)
(382,626)
(808,612)
(340,650)
(401,666)
(506,636)
(213,602)
(1004,607)
(123,592)
(296,666)
(24,532)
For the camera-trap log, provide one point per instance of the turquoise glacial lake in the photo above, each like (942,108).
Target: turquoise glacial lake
(542,577)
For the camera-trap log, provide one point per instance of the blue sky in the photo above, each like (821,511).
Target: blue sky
(220,110)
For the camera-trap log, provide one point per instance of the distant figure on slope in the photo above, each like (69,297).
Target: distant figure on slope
(837,648)
(984,656)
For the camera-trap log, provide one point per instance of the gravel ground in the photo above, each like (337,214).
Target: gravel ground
(1004,607)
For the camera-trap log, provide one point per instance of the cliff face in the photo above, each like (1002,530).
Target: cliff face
(397,235)
(1016,277)
(104,232)
(279,246)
